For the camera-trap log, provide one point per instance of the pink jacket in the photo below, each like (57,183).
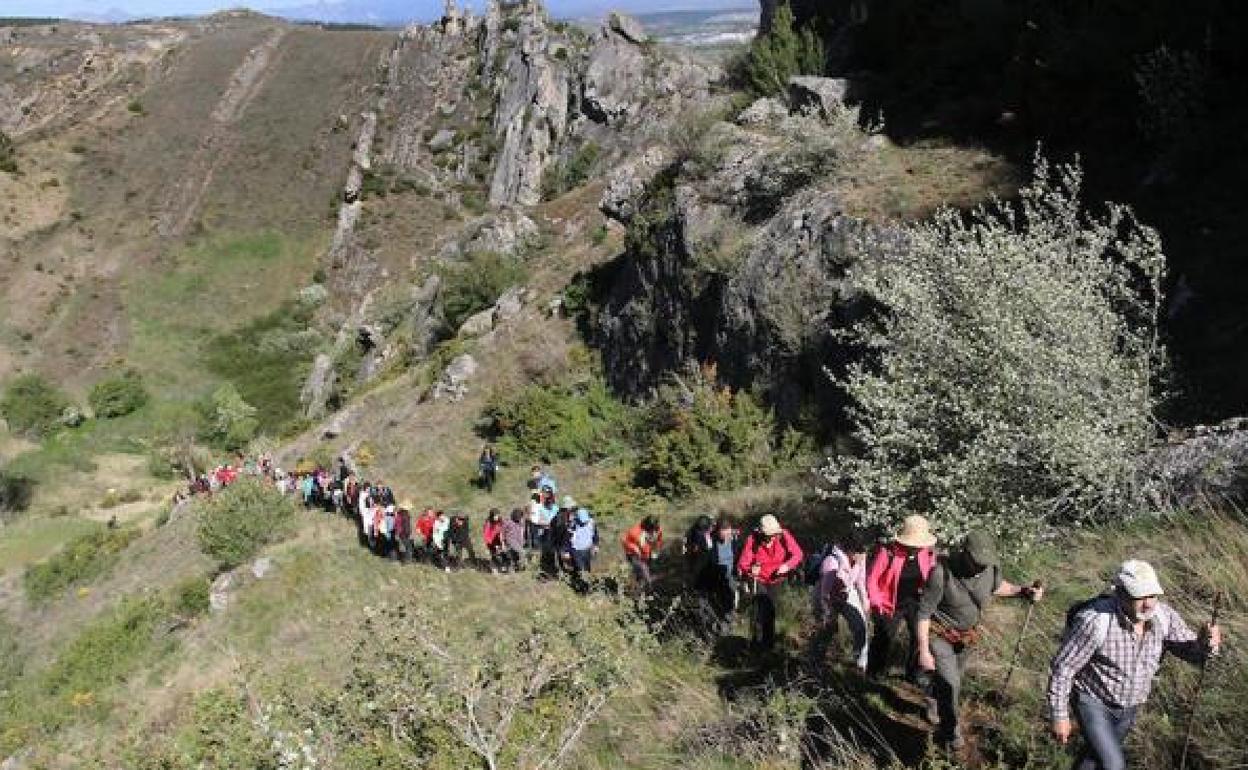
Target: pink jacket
(770,556)
(885,573)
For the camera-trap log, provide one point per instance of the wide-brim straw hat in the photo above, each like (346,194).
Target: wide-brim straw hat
(769,525)
(916,532)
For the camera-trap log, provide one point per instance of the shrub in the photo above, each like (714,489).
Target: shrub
(81,560)
(241,519)
(190,598)
(1014,368)
(781,54)
(476,283)
(32,406)
(571,173)
(565,421)
(8,155)
(118,396)
(449,694)
(703,435)
(229,421)
(16,491)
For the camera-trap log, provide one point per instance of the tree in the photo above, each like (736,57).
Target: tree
(231,422)
(118,396)
(780,54)
(1012,369)
(32,406)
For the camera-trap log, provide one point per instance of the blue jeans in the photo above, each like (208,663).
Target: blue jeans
(1104,730)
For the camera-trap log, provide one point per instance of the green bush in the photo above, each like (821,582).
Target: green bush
(562,421)
(229,421)
(705,436)
(571,173)
(8,155)
(81,560)
(1015,366)
(782,53)
(265,360)
(118,396)
(475,284)
(190,598)
(241,519)
(32,406)
(16,491)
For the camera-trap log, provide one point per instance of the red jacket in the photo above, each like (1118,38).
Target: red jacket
(770,555)
(640,543)
(492,533)
(885,573)
(424,525)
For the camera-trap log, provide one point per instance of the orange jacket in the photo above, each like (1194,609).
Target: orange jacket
(640,543)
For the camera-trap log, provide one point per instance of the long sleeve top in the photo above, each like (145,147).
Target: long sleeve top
(1101,655)
(770,554)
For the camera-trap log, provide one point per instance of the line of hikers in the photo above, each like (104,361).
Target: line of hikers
(1100,676)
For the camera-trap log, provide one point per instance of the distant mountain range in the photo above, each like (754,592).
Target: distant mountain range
(659,13)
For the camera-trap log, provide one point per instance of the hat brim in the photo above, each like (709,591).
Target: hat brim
(912,542)
(771,532)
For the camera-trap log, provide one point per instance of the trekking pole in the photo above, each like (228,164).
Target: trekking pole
(1200,686)
(1018,646)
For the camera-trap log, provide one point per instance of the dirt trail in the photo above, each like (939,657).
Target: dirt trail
(219,139)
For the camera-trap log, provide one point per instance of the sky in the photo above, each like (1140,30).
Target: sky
(358,10)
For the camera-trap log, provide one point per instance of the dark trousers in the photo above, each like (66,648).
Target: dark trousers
(456,553)
(946,684)
(886,630)
(763,632)
(1104,730)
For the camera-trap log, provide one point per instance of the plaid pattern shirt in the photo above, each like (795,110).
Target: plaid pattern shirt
(1102,657)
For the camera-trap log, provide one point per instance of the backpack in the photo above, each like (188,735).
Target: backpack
(813,563)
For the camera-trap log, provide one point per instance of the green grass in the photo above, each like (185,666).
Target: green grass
(209,289)
(36,537)
(83,559)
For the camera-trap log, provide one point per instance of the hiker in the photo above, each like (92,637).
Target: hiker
(403,532)
(770,554)
(492,534)
(583,544)
(514,531)
(437,541)
(458,540)
(424,528)
(727,548)
(557,547)
(1108,657)
(365,509)
(533,521)
(641,546)
(841,592)
(544,514)
(895,579)
(540,480)
(388,541)
(697,549)
(957,591)
(487,468)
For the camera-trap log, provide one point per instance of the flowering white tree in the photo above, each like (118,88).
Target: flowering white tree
(1011,371)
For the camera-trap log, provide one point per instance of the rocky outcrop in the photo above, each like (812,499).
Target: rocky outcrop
(318,387)
(738,257)
(453,384)
(818,96)
(1210,463)
(531,114)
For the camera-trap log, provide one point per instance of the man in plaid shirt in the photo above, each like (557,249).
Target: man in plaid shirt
(1108,657)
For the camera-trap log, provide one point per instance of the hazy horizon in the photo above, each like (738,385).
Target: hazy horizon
(362,11)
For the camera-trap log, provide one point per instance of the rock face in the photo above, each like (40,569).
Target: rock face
(453,385)
(318,387)
(738,258)
(627,27)
(1211,463)
(821,96)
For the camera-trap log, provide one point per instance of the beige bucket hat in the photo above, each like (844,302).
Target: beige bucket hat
(916,532)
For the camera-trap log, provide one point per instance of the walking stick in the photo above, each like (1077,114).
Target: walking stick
(1018,646)
(1200,686)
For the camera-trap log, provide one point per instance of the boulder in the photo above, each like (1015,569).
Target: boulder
(818,96)
(334,427)
(219,593)
(442,140)
(478,324)
(505,232)
(615,84)
(763,112)
(261,567)
(453,385)
(627,182)
(72,417)
(509,305)
(627,27)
